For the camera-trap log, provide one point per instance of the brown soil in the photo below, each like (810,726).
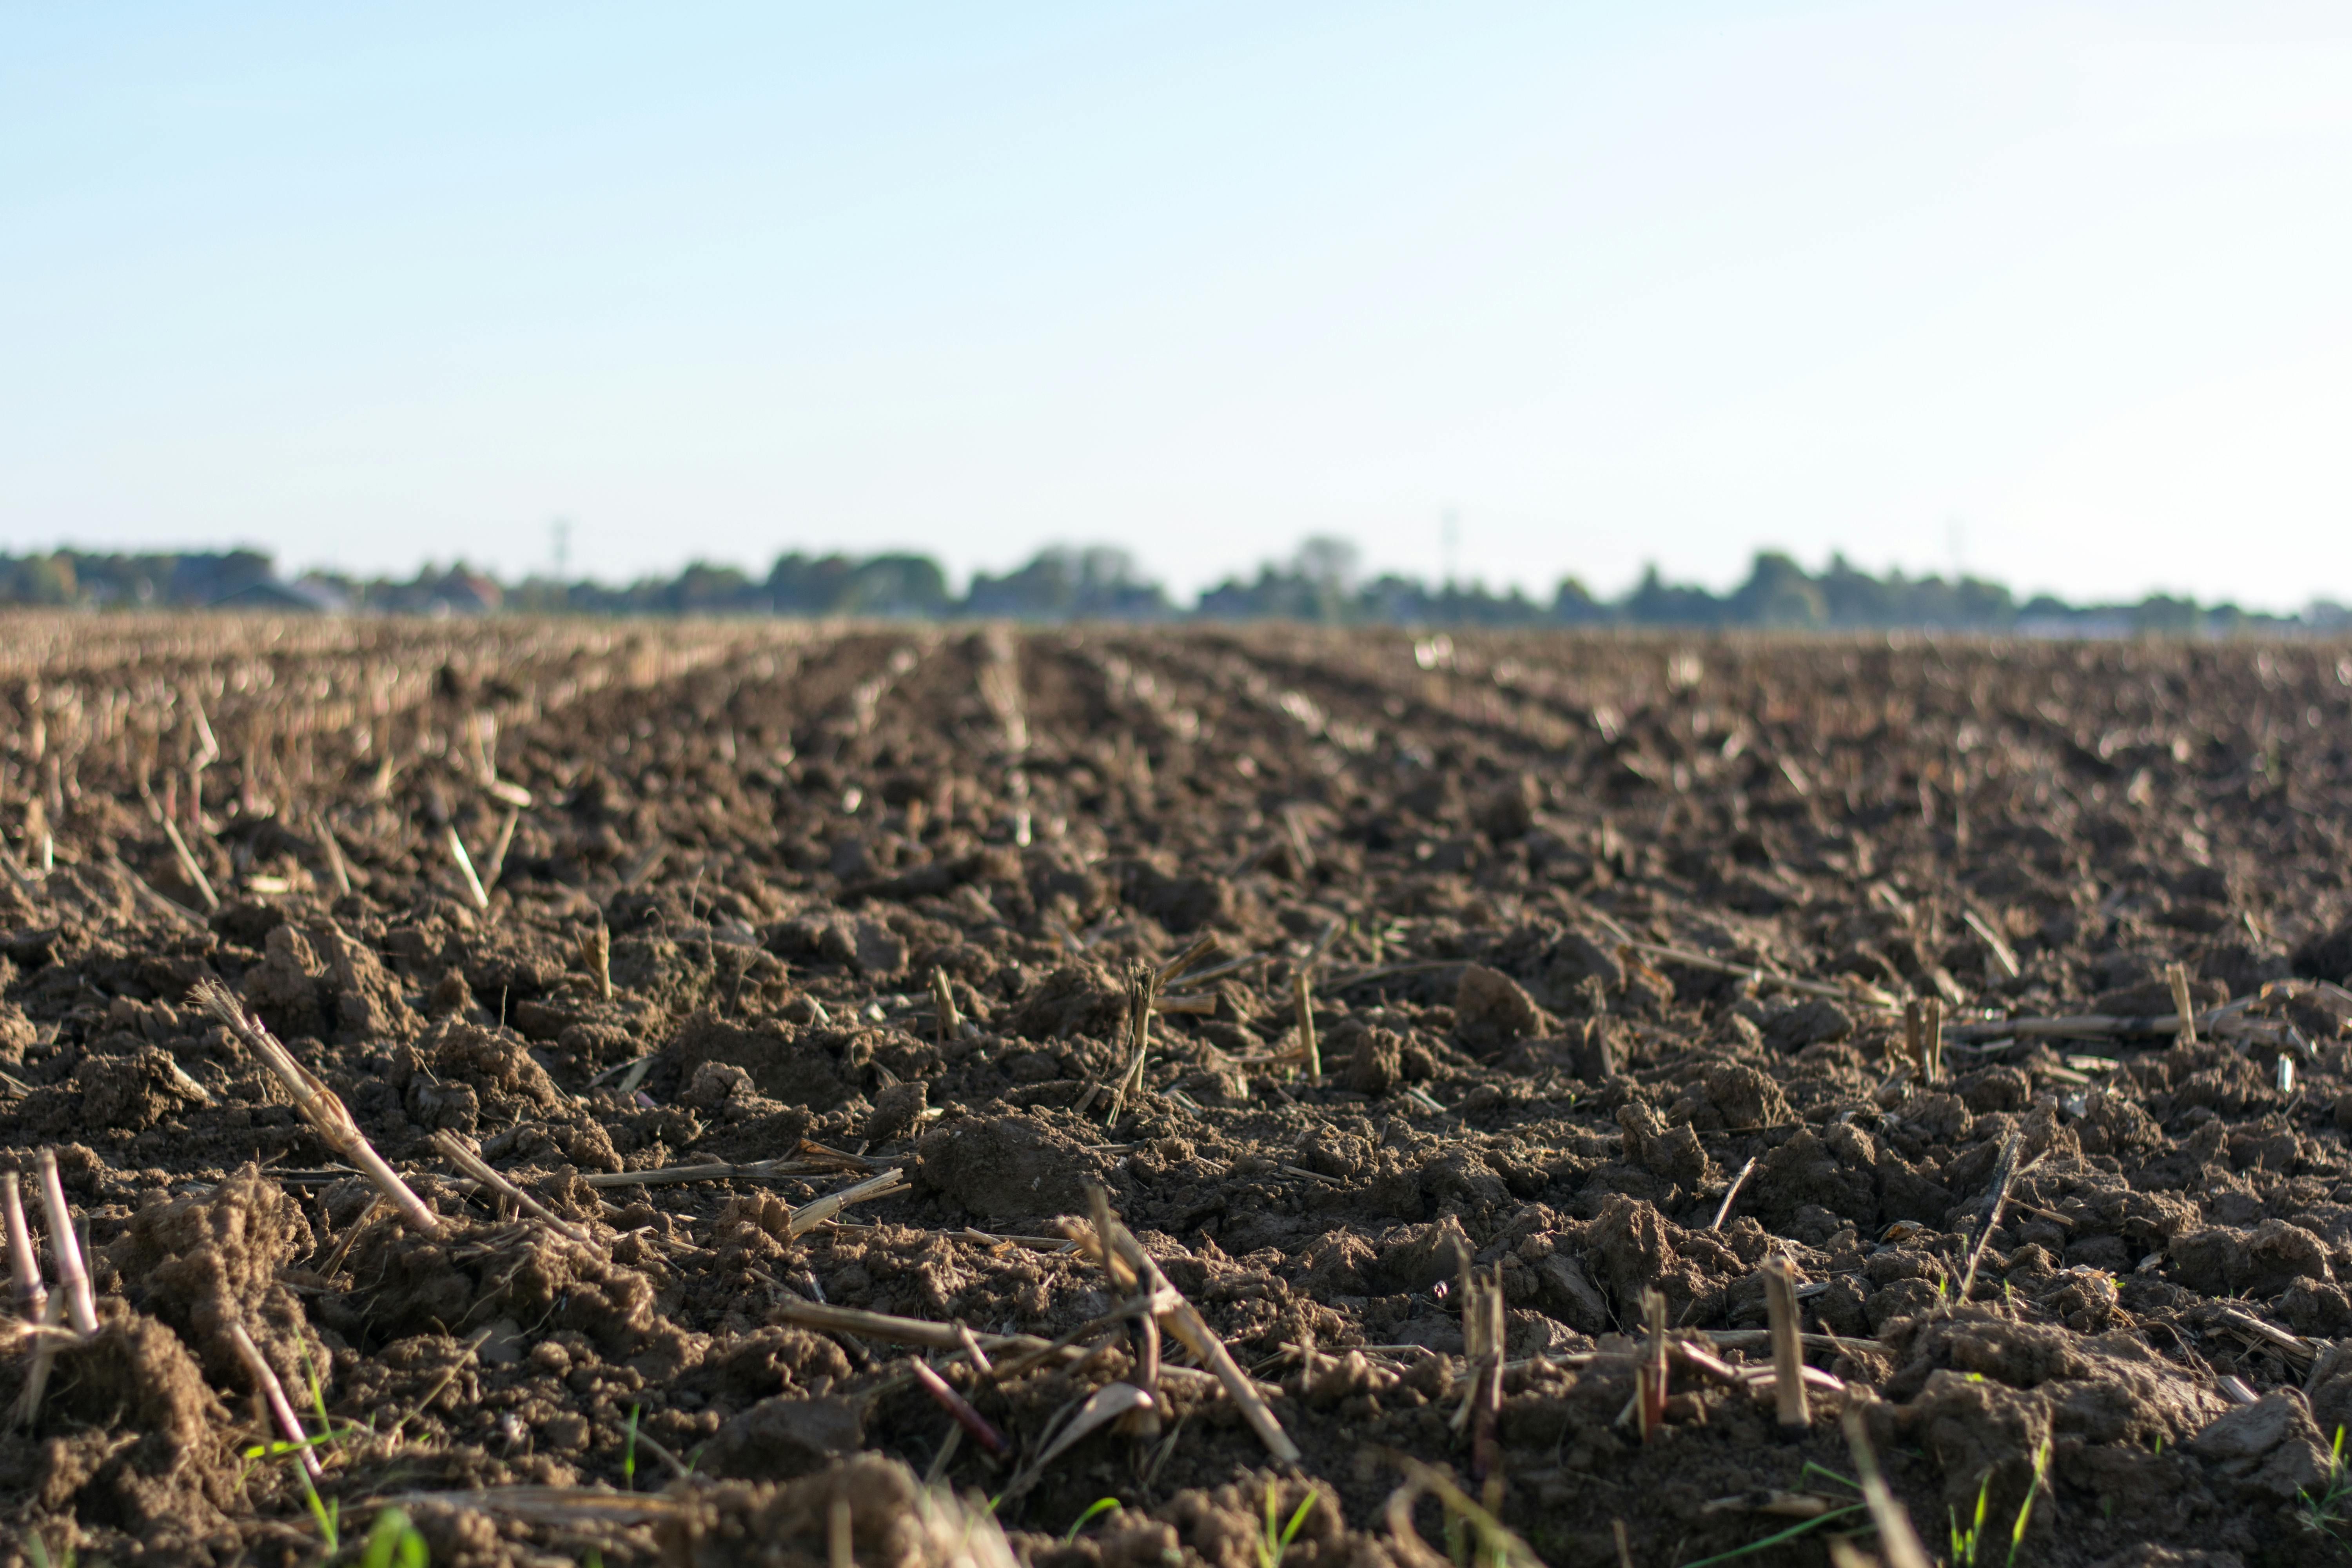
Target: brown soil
(786,833)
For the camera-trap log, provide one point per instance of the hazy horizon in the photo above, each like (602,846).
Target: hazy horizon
(2048,294)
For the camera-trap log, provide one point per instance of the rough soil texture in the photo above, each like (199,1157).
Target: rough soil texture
(794,838)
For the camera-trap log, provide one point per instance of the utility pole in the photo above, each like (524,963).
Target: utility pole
(562,528)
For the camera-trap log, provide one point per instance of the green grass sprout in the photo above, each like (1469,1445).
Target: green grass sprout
(2325,1514)
(1780,1537)
(1828,1475)
(2025,1508)
(327,1511)
(1964,1541)
(393,1542)
(1275,1541)
(317,1391)
(1100,1506)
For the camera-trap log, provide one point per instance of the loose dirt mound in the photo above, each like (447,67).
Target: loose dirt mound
(1616,957)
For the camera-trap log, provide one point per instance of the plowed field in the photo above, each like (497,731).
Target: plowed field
(1445,1028)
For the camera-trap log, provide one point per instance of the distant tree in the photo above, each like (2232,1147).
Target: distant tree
(889,585)
(43,580)
(1319,581)
(1064,582)
(208,578)
(899,585)
(1778,594)
(2161,615)
(1572,603)
(803,585)
(1658,602)
(703,588)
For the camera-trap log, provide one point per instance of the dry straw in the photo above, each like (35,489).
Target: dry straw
(1302,997)
(1731,1195)
(1180,1317)
(464,864)
(1788,1353)
(318,1104)
(273,1397)
(2182,1007)
(943,1008)
(1896,1539)
(881,1184)
(73,1278)
(472,1164)
(1651,1373)
(596,954)
(24,1268)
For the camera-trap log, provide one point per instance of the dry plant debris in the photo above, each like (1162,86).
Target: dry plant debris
(681,1093)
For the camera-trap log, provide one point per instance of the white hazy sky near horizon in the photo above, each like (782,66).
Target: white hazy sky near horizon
(2056,290)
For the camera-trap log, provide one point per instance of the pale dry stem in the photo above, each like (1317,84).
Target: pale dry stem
(188,867)
(472,1164)
(318,1104)
(73,1278)
(1788,1353)
(809,1216)
(23,1266)
(1180,1316)
(464,864)
(496,865)
(1731,1195)
(273,1395)
(596,952)
(943,1006)
(1651,1376)
(1896,1539)
(337,866)
(45,1351)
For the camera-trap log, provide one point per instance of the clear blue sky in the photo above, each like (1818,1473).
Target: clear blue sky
(2063,288)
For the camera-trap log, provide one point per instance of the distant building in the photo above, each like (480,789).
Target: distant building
(467,593)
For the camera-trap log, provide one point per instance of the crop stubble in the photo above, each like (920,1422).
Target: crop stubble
(1615,955)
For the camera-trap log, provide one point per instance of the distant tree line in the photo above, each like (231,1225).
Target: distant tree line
(1320,581)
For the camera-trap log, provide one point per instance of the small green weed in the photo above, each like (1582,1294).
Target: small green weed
(1100,1506)
(1276,1539)
(37,1552)
(2025,1508)
(1964,1541)
(1828,1475)
(328,1513)
(1778,1537)
(2327,1514)
(318,1392)
(629,1454)
(393,1542)
(276,1448)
